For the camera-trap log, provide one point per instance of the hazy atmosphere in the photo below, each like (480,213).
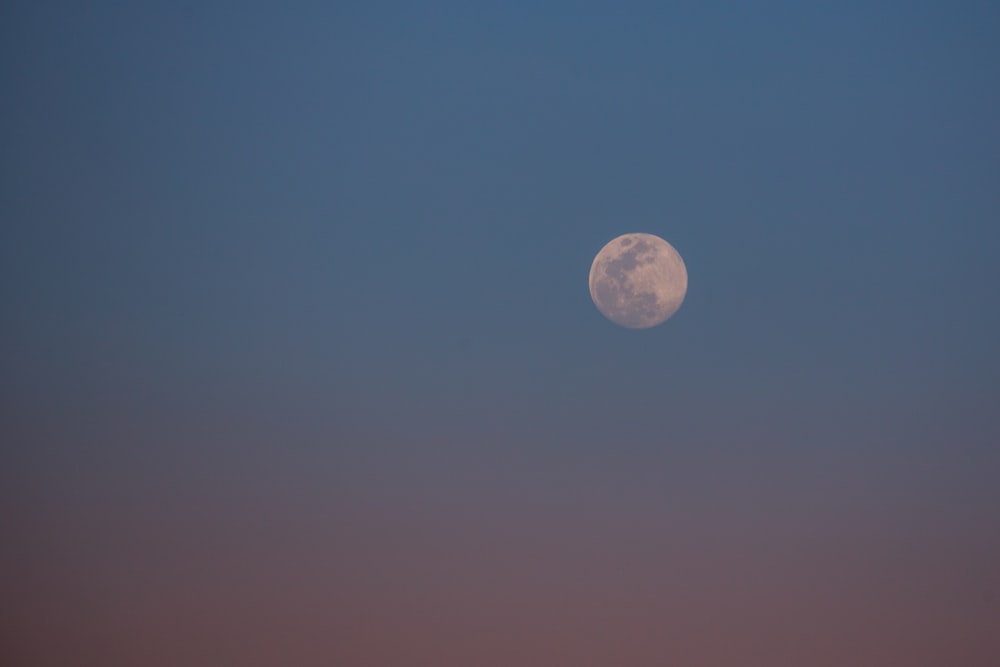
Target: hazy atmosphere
(299,364)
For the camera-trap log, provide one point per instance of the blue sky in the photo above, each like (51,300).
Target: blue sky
(344,248)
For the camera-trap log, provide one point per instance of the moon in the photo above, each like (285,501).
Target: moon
(638,280)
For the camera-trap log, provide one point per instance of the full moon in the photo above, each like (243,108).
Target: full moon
(638,280)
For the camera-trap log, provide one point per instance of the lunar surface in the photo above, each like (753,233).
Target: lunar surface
(638,280)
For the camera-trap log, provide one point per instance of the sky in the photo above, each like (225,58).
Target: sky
(299,363)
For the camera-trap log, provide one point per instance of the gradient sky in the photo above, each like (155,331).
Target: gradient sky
(299,365)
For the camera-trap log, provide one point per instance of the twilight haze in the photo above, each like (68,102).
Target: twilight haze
(299,364)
